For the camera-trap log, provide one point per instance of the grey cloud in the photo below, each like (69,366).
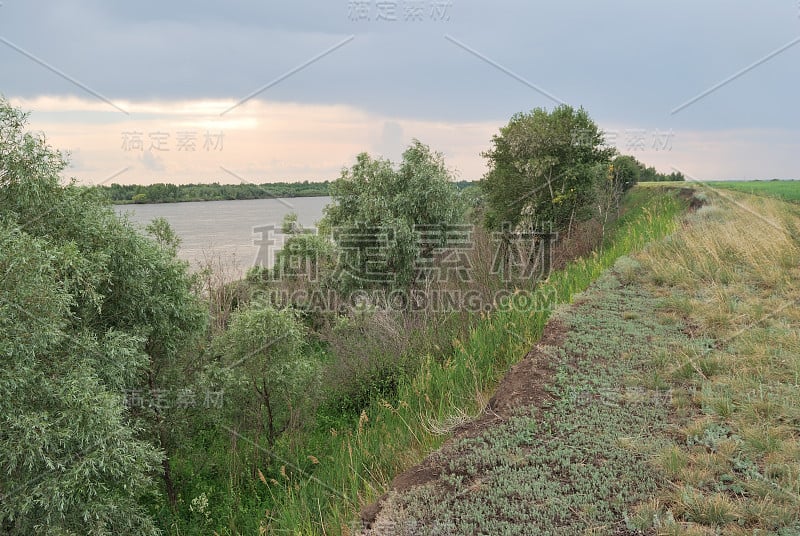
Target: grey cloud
(626,61)
(392,142)
(152,162)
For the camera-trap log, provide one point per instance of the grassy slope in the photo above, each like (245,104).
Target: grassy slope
(676,406)
(329,476)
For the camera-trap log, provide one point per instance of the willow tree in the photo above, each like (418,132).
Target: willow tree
(379,212)
(90,309)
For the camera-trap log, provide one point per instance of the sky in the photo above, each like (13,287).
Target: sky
(264,91)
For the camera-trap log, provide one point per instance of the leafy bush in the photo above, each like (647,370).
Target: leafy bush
(368,356)
(263,368)
(379,207)
(543,167)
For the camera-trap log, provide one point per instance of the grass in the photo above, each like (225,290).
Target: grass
(357,462)
(730,278)
(786,190)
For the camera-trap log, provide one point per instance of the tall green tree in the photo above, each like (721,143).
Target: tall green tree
(543,168)
(379,211)
(90,311)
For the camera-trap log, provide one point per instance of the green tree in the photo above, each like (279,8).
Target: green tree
(625,172)
(290,225)
(305,259)
(263,367)
(118,312)
(305,256)
(543,168)
(379,208)
(161,231)
(70,461)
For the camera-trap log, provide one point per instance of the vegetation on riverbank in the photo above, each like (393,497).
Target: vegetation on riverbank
(551,456)
(178,193)
(191,404)
(359,456)
(120,194)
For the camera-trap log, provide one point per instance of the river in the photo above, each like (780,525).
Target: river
(221,233)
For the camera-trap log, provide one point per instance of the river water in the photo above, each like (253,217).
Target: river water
(221,233)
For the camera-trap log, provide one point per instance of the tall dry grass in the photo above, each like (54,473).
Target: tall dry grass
(731,276)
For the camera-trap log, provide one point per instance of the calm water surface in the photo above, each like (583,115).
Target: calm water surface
(223,230)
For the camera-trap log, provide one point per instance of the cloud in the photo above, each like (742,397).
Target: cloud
(623,60)
(391,142)
(276,141)
(265,141)
(175,67)
(152,162)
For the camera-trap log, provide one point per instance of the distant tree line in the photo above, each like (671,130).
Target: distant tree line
(176,193)
(121,194)
(634,171)
(649,174)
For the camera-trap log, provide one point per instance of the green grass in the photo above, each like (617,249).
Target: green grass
(690,356)
(730,280)
(786,190)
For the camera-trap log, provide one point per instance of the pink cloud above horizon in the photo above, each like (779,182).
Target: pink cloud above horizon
(260,141)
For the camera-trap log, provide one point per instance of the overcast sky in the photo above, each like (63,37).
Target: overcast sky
(151,90)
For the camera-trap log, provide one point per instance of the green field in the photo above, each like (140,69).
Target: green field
(786,190)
